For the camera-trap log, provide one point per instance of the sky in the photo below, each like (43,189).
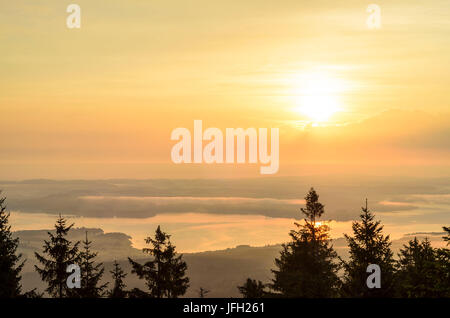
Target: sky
(102,100)
(361,112)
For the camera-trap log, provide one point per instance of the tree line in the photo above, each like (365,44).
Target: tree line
(164,274)
(307,267)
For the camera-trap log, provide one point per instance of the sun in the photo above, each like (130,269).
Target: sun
(317,95)
(319,108)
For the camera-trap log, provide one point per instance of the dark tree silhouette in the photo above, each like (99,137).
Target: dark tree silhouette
(61,253)
(202,292)
(306,266)
(165,273)
(137,293)
(368,246)
(422,272)
(118,290)
(10,263)
(443,256)
(447,237)
(91,273)
(252,289)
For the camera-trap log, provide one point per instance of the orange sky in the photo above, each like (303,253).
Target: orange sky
(101,101)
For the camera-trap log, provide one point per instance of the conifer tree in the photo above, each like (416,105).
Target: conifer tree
(60,254)
(443,256)
(368,246)
(447,237)
(252,289)
(10,261)
(91,273)
(421,273)
(118,290)
(165,273)
(202,292)
(307,266)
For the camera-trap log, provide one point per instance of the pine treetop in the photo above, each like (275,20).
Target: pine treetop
(307,265)
(117,272)
(368,245)
(9,259)
(60,254)
(165,273)
(91,273)
(312,230)
(119,286)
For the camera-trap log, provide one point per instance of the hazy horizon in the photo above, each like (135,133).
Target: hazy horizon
(212,214)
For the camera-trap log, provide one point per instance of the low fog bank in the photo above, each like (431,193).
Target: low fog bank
(427,198)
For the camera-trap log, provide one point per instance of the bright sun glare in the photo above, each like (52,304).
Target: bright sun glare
(317,95)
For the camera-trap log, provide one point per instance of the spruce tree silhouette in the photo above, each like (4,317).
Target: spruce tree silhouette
(118,290)
(422,272)
(307,266)
(447,237)
(443,255)
(202,292)
(368,246)
(252,289)
(10,263)
(165,273)
(61,253)
(91,273)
